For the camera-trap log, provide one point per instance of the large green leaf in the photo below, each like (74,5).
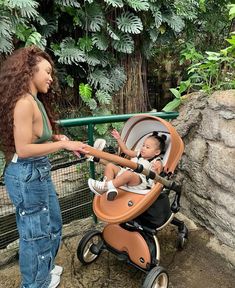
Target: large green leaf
(100,40)
(125,44)
(85,92)
(69,3)
(115,3)
(95,18)
(103,97)
(171,106)
(69,53)
(138,5)
(129,23)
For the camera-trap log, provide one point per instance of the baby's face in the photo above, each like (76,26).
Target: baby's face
(150,148)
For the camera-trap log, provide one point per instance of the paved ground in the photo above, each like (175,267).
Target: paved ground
(195,267)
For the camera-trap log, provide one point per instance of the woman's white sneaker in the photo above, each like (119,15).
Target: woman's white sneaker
(57,270)
(55,281)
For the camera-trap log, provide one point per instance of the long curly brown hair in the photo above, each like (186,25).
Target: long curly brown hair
(15,74)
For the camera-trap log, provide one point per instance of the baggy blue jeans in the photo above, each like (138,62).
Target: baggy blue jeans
(38,218)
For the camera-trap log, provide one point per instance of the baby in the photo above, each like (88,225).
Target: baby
(115,176)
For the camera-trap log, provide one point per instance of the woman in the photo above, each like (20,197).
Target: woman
(26,77)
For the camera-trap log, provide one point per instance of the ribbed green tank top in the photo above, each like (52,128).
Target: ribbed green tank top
(46,132)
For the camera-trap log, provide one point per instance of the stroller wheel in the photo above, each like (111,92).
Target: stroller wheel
(89,247)
(156,278)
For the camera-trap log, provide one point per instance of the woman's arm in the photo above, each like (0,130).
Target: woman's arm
(23,135)
(122,145)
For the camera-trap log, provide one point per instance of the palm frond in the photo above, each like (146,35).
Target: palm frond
(129,23)
(115,3)
(138,5)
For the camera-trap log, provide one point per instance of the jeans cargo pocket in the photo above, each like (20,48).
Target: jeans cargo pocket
(34,223)
(44,171)
(44,266)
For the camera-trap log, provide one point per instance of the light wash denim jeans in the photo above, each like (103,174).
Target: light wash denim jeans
(38,218)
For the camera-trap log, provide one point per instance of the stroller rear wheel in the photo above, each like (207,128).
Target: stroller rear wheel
(156,278)
(89,247)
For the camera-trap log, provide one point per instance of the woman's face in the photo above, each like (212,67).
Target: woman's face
(42,79)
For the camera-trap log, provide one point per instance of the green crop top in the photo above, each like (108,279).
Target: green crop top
(47,132)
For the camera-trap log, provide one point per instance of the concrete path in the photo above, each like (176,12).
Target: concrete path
(197,266)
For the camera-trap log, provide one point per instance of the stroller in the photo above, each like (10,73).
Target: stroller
(135,217)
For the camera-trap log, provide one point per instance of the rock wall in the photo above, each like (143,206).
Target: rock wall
(207,169)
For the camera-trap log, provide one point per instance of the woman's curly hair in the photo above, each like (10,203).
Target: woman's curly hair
(15,75)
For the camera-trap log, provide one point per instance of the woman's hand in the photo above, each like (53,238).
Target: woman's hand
(115,134)
(60,137)
(76,146)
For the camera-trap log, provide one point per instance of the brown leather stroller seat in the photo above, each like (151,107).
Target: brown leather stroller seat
(134,217)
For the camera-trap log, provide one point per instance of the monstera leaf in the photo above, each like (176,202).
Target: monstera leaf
(129,23)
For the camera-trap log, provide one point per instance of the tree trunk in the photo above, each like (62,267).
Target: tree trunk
(133,97)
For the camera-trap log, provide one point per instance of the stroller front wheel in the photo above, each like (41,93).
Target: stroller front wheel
(89,247)
(156,278)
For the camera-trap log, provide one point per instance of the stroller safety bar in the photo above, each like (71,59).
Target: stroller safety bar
(135,167)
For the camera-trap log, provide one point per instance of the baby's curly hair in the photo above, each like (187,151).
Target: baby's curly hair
(15,74)
(161,139)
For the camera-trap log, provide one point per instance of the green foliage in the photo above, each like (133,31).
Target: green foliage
(115,3)
(125,44)
(90,38)
(70,3)
(103,97)
(138,5)
(85,92)
(174,104)
(69,52)
(129,23)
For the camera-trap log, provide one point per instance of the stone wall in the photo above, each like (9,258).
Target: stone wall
(207,170)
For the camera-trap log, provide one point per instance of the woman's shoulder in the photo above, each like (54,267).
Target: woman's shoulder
(25,100)
(24,104)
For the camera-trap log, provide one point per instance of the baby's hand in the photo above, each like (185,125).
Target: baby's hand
(157,167)
(115,134)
